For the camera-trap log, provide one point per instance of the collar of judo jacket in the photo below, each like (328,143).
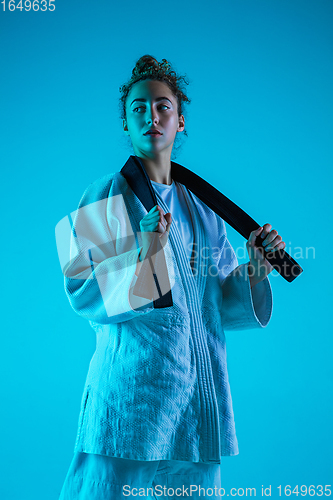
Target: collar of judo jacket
(140,197)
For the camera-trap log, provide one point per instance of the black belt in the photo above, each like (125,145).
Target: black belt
(138,180)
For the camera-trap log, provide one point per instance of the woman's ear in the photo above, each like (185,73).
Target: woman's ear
(125,127)
(181,123)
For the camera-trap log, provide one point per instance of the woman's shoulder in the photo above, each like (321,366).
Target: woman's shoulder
(98,189)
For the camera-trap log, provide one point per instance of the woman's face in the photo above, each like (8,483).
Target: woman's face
(151,104)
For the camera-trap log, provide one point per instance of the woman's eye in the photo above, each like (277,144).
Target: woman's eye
(142,107)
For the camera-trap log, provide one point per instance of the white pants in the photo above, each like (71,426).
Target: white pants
(98,477)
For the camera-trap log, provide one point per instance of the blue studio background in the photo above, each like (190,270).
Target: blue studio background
(260,130)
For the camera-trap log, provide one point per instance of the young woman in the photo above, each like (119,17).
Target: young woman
(156,409)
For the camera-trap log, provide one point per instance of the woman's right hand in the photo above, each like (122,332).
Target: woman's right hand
(155,221)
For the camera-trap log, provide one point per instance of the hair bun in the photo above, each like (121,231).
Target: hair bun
(146,64)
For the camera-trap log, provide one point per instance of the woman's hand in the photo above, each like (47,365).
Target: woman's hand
(259,267)
(155,221)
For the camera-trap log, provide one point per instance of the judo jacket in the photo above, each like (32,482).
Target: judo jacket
(157,387)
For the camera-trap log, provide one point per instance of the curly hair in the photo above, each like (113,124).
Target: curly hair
(147,67)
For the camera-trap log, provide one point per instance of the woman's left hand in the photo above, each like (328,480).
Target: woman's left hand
(259,267)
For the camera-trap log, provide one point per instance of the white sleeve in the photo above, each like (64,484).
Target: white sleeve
(103,259)
(242,307)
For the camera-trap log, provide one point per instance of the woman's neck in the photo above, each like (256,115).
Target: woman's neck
(158,171)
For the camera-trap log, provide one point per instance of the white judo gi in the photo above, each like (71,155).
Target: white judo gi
(157,386)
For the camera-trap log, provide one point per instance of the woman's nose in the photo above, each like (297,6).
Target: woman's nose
(152,118)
